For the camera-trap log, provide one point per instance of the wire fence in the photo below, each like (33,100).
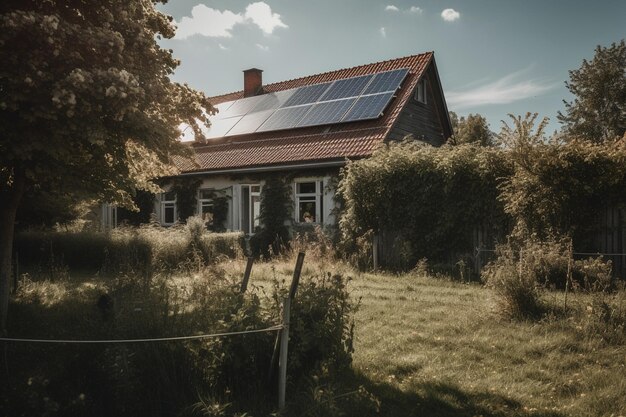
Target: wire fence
(147,340)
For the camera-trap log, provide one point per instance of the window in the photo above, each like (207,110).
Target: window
(309,202)
(421,92)
(168,208)
(205,205)
(250,207)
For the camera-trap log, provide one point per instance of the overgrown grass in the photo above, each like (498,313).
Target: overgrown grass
(145,249)
(433,346)
(422,346)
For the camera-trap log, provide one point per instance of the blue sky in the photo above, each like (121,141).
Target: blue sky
(494,56)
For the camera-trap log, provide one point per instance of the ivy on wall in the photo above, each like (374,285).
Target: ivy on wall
(275,216)
(186,189)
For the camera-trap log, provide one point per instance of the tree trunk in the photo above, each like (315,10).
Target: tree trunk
(10,198)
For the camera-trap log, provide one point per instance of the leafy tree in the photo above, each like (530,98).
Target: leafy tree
(86,104)
(598,112)
(454,120)
(472,129)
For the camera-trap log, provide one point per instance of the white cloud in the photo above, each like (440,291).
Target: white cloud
(262,47)
(450,15)
(210,22)
(391,8)
(383,32)
(415,9)
(260,14)
(502,91)
(222,47)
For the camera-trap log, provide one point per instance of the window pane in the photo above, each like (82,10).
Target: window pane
(207,212)
(206,194)
(306,188)
(307,211)
(168,216)
(255,188)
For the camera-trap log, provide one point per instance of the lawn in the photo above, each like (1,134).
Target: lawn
(429,346)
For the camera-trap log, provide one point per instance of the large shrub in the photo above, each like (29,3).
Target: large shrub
(433,198)
(558,188)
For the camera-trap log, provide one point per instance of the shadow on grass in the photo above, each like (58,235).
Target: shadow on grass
(431,399)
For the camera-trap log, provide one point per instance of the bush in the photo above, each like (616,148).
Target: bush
(520,271)
(218,376)
(517,289)
(604,318)
(145,249)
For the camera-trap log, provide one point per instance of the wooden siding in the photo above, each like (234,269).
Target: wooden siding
(420,120)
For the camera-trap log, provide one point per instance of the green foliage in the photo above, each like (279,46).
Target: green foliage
(42,208)
(144,201)
(81,82)
(473,129)
(521,271)
(321,333)
(432,197)
(272,237)
(598,112)
(88,106)
(142,250)
(217,376)
(186,189)
(557,189)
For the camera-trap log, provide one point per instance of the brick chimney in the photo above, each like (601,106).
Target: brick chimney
(252,82)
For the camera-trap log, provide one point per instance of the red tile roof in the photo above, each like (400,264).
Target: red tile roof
(312,144)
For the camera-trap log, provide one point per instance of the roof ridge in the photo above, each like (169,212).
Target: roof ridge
(291,80)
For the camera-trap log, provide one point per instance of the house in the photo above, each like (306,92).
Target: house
(305,130)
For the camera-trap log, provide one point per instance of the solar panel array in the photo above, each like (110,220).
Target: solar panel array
(347,100)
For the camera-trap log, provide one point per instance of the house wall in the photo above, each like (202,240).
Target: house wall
(421,120)
(232,186)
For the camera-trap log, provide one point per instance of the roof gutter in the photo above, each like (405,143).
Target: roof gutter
(268,168)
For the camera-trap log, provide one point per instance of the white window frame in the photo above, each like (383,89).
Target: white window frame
(421,91)
(166,204)
(253,216)
(318,196)
(205,201)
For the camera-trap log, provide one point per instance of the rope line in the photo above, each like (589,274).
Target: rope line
(158,339)
(573,253)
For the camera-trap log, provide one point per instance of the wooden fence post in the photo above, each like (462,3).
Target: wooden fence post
(292,293)
(296,275)
(375,244)
(246,274)
(284,345)
(16,277)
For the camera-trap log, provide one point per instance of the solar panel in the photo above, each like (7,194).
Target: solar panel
(222,108)
(220,127)
(326,112)
(306,95)
(368,107)
(250,122)
(273,100)
(350,99)
(243,106)
(349,87)
(386,81)
(284,118)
